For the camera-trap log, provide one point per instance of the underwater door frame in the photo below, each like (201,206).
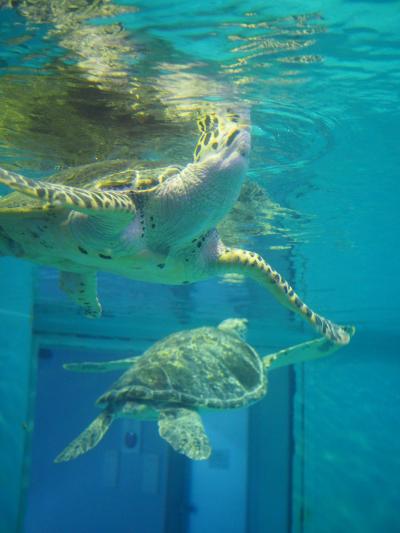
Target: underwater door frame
(270,456)
(255,474)
(177,468)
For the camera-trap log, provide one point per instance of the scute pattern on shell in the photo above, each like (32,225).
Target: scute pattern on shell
(205,367)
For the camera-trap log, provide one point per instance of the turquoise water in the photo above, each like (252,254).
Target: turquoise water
(320,454)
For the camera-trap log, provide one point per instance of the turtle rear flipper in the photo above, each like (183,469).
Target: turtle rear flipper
(105,366)
(82,288)
(88,439)
(306,351)
(183,429)
(57,195)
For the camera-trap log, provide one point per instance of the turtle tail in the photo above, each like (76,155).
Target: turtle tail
(88,439)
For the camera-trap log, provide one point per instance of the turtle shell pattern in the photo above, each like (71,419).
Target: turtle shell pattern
(204,367)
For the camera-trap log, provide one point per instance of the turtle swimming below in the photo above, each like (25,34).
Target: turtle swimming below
(203,368)
(153,225)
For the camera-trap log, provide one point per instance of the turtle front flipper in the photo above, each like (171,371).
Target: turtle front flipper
(306,351)
(104,366)
(55,195)
(183,429)
(88,439)
(82,289)
(253,265)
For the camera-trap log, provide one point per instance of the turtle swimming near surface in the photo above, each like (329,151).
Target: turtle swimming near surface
(148,225)
(203,368)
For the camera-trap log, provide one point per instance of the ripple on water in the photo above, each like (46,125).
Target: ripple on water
(287,135)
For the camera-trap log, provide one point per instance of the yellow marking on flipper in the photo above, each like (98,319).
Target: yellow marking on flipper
(65,196)
(22,210)
(256,267)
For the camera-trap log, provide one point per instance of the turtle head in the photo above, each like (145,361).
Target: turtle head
(224,137)
(199,196)
(234,326)
(222,156)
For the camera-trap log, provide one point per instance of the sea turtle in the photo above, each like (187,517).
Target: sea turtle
(203,368)
(155,226)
